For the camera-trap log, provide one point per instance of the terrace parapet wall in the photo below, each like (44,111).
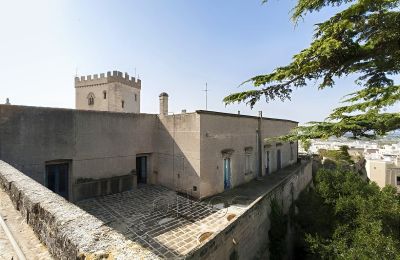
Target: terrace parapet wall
(246,237)
(67,231)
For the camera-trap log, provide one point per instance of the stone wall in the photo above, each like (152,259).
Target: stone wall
(98,145)
(247,236)
(179,152)
(117,86)
(66,230)
(184,151)
(237,134)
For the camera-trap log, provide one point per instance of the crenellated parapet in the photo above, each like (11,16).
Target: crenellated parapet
(110,77)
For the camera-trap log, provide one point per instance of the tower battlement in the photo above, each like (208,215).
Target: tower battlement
(102,78)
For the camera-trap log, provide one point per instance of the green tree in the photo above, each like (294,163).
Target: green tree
(337,158)
(365,220)
(306,145)
(277,232)
(364,40)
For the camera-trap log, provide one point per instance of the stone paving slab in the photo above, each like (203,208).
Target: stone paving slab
(247,193)
(159,219)
(6,249)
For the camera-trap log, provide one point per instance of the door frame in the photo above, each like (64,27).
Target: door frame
(147,158)
(278,159)
(227,161)
(69,178)
(267,162)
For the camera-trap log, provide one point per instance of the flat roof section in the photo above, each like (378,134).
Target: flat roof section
(168,224)
(240,115)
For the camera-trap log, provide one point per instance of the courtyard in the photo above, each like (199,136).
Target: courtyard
(167,223)
(171,224)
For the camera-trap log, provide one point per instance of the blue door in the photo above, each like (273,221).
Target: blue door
(227,173)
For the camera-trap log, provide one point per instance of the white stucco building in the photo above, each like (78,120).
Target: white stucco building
(384,172)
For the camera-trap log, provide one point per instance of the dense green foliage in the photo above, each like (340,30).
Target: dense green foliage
(362,40)
(306,144)
(277,232)
(344,217)
(341,155)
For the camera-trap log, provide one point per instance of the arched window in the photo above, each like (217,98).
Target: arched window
(90,98)
(123,104)
(135,97)
(104,94)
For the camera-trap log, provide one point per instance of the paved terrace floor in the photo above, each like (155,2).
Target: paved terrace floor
(168,224)
(244,195)
(171,225)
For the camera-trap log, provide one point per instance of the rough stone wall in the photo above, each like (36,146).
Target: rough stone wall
(248,234)
(66,230)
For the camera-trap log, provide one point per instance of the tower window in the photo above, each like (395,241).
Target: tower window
(123,104)
(135,97)
(90,98)
(104,94)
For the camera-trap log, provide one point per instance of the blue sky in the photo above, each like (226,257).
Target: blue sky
(176,46)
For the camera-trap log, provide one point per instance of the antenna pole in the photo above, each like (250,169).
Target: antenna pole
(206,97)
(206,90)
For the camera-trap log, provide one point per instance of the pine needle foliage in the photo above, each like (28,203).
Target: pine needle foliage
(362,40)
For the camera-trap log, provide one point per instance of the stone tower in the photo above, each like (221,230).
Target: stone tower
(114,92)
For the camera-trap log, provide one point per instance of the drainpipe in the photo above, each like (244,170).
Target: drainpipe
(259,145)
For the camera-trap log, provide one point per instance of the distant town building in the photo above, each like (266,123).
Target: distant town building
(382,161)
(384,172)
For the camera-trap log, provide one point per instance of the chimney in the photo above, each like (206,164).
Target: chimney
(8,101)
(163,104)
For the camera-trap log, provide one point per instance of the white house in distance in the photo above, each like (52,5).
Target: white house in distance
(384,172)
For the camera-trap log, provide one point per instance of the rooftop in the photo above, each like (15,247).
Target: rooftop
(240,115)
(172,225)
(168,224)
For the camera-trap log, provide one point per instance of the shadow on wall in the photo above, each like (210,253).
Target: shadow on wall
(168,223)
(176,159)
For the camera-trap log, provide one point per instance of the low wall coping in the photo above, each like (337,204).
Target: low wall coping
(68,231)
